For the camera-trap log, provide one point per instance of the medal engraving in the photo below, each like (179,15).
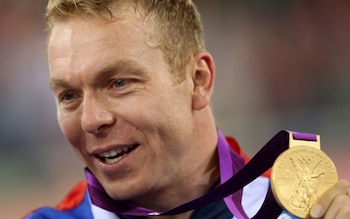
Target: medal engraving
(299,176)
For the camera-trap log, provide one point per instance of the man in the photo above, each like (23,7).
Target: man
(133,82)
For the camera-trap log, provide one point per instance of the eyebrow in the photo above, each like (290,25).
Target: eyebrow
(126,66)
(118,67)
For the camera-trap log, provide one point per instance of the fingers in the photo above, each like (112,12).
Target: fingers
(335,203)
(340,208)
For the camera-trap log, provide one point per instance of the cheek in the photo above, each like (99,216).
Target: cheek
(151,114)
(70,128)
(163,121)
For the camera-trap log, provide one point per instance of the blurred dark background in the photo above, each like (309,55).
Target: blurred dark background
(280,65)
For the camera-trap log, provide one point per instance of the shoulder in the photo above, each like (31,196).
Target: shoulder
(75,205)
(74,198)
(255,192)
(254,195)
(236,148)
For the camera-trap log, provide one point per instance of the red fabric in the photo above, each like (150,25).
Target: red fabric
(74,197)
(234,145)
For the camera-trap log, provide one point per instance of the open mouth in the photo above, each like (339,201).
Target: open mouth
(114,155)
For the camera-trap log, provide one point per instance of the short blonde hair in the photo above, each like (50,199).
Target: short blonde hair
(178,27)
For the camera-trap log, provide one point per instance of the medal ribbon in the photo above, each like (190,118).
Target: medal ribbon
(230,189)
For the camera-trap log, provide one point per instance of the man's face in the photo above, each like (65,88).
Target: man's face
(118,106)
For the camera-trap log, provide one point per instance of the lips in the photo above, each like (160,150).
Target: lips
(114,155)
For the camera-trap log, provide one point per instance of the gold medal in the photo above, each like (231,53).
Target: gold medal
(300,175)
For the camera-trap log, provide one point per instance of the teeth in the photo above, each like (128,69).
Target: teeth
(105,154)
(112,155)
(113,160)
(119,150)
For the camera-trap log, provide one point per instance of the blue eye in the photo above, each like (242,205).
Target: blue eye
(68,96)
(119,83)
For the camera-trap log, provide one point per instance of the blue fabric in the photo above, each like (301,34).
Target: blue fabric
(286,215)
(217,210)
(82,211)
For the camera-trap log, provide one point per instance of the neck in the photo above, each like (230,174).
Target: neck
(196,183)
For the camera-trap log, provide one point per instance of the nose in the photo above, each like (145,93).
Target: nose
(96,116)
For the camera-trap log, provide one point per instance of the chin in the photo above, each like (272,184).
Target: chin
(120,194)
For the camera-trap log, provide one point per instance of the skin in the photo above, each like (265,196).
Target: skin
(113,88)
(335,203)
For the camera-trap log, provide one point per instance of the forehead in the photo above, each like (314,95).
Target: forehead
(90,35)
(79,27)
(115,11)
(81,47)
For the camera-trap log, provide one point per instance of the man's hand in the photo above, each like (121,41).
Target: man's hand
(334,203)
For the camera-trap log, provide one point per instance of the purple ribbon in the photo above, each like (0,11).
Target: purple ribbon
(234,176)
(230,163)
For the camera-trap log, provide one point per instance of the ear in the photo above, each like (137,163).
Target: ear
(203,80)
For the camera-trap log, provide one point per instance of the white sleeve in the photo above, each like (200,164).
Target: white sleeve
(254,195)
